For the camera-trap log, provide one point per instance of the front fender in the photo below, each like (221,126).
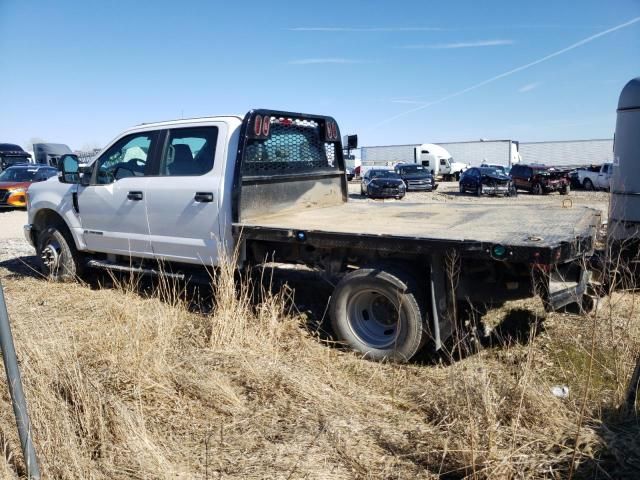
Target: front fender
(57,197)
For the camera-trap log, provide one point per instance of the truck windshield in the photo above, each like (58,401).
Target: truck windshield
(413,169)
(383,174)
(292,147)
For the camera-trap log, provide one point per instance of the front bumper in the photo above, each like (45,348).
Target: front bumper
(419,186)
(495,189)
(28,229)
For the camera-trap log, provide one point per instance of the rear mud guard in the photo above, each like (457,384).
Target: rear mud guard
(441,321)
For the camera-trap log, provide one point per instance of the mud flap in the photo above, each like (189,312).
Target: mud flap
(441,322)
(562,291)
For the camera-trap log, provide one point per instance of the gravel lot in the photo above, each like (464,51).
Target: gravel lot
(13,244)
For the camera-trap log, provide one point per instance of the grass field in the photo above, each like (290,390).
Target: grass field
(145,381)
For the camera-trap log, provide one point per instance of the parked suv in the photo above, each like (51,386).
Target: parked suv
(539,179)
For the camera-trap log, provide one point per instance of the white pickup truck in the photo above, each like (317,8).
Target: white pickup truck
(598,180)
(271,185)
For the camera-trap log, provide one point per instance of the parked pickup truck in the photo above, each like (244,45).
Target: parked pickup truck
(600,180)
(272,185)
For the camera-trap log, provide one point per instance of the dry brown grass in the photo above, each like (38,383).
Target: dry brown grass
(123,386)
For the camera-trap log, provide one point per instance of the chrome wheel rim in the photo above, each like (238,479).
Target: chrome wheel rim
(375,318)
(50,256)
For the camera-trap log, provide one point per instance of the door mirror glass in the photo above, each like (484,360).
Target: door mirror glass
(68,169)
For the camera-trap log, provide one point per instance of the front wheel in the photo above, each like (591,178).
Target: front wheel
(565,190)
(537,189)
(59,259)
(377,312)
(479,190)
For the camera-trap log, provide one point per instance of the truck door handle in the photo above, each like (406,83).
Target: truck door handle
(134,196)
(204,197)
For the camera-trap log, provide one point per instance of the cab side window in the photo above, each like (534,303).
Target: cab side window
(128,157)
(189,151)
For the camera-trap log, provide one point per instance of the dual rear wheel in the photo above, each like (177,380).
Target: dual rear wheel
(379,313)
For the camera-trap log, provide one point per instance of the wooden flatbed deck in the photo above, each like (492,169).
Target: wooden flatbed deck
(514,226)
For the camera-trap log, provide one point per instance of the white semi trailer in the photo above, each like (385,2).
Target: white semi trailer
(436,158)
(448,159)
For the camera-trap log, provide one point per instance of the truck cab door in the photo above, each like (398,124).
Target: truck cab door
(445,166)
(185,198)
(604,176)
(428,160)
(112,208)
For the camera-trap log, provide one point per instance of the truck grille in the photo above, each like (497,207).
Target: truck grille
(418,183)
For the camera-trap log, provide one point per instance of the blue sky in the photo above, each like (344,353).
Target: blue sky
(80,72)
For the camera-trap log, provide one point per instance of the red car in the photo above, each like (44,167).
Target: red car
(14,182)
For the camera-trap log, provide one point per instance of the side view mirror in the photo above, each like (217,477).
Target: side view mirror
(69,169)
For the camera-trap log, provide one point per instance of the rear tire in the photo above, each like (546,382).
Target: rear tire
(59,259)
(378,312)
(588,184)
(566,190)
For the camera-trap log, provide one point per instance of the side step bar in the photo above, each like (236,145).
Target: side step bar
(118,267)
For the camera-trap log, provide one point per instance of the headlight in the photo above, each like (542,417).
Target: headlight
(17,197)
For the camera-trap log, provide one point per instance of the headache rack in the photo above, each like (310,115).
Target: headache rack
(285,161)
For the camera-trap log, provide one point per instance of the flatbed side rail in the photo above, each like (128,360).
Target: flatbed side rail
(545,254)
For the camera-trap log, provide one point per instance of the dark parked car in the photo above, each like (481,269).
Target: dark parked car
(15,181)
(377,183)
(416,177)
(486,181)
(539,179)
(11,154)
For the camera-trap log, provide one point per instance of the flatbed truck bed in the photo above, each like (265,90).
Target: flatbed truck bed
(537,234)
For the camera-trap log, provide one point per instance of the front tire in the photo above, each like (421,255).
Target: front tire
(479,190)
(588,184)
(378,313)
(59,259)
(537,189)
(566,190)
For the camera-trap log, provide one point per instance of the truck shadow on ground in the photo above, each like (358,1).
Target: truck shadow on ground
(309,295)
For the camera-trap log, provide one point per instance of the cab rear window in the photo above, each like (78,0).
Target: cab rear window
(293,146)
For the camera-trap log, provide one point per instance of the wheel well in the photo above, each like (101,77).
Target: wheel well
(48,218)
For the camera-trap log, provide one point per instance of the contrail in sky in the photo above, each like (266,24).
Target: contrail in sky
(512,71)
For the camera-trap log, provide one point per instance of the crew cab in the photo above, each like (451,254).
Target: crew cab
(598,180)
(271,185)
